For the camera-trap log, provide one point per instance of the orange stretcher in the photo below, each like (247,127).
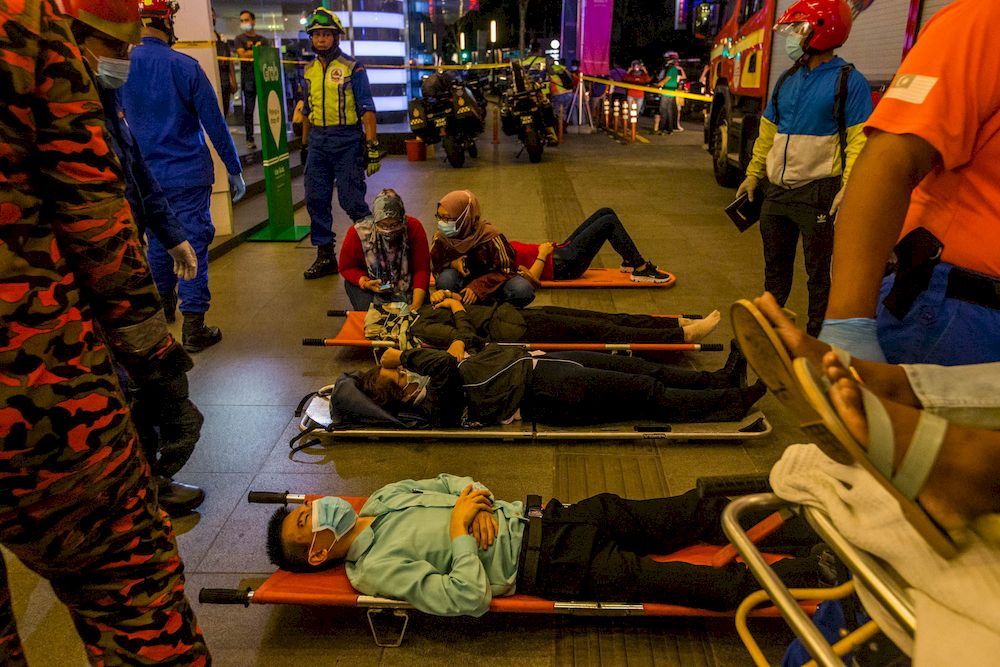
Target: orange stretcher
(331,588)
(352,334)
(606,278)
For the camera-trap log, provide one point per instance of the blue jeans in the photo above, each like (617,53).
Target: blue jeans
(937,329)
(517,291)
(335,154)
(574,255)
(192,206)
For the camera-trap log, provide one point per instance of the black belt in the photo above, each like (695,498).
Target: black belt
(531,542)
(974,288)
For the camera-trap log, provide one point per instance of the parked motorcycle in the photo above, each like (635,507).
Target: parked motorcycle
(448,113)
(525,111)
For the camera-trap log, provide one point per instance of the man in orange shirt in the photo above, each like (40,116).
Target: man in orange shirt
(929,179)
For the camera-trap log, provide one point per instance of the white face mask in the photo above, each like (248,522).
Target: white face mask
(246,27)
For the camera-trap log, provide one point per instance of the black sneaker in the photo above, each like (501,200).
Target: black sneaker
(650,274)
(178,499)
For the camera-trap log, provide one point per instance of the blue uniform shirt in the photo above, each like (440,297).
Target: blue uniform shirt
(149,207)
(167,100)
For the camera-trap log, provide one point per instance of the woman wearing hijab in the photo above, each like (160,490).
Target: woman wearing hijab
(471,258)
(384,258)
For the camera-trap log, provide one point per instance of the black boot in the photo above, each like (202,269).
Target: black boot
(325,264)
(195,335)
(178,499)
(169,302)
(736,366)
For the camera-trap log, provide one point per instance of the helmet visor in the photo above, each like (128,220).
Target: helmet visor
(796,29)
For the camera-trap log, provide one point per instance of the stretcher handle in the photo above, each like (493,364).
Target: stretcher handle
(712,347)
(732,485)
(268,497)
(225,596)
(337,313)
(315,342)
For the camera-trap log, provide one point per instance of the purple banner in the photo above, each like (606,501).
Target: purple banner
(593,36)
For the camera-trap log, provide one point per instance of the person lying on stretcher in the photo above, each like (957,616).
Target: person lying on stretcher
(503,323)
(499,384)
(447,547)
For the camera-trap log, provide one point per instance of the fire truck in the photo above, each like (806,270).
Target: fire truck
(746,61)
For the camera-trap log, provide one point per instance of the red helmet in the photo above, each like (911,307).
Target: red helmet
(823,24)
(158,9)
(117,19)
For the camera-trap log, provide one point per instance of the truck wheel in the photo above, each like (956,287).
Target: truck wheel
(533,144)
(725,174)
(456,156)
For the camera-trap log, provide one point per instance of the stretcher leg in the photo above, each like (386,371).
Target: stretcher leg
(389,638)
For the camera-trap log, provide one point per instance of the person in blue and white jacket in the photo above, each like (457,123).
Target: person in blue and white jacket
(810,135)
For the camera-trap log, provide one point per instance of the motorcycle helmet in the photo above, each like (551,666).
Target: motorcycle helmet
(822,24)
(323,19)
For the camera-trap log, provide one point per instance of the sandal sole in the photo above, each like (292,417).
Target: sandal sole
(766,354)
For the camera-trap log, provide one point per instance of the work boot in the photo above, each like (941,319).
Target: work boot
(195,335)
(325,264)
(178,499)
(169,302)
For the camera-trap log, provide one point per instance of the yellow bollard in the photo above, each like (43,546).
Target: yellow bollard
(634,116)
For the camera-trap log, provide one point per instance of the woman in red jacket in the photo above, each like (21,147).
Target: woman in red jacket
(385,258)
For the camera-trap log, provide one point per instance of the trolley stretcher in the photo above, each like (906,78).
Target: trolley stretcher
(603,278)
(886,589)
(316,422)
(352,334)
(332,588)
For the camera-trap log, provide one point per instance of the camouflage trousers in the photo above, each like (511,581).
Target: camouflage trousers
(111,557)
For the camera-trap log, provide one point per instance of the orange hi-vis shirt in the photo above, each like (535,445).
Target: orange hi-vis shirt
(947,92)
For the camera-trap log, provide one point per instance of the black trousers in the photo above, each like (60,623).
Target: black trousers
(597,549)
(574,255)
(555,324)
(249,102)
(578,388)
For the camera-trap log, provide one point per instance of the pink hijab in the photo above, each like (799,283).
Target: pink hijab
(463,208)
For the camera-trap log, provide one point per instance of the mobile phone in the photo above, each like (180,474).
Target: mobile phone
(385,286)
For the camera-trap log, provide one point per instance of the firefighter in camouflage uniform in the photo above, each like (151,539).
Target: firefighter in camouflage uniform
(77,503)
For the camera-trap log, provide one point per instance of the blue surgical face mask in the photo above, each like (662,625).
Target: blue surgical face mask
(447,227)
(416,387)
(112,72)
(332,513)
(793,47)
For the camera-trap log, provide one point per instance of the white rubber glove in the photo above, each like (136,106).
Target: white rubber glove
(237,186)
(748,186)
(857,335)
(185,261)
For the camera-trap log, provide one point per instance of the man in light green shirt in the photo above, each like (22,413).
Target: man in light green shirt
(446,546)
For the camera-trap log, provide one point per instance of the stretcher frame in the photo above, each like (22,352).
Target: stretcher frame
(283,587)
(753,426)
(599,278)
(885,587)
(351,334)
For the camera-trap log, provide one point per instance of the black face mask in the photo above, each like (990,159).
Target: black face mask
(326,54)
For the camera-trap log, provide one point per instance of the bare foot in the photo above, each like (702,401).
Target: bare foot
(962,483)
(698,329)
